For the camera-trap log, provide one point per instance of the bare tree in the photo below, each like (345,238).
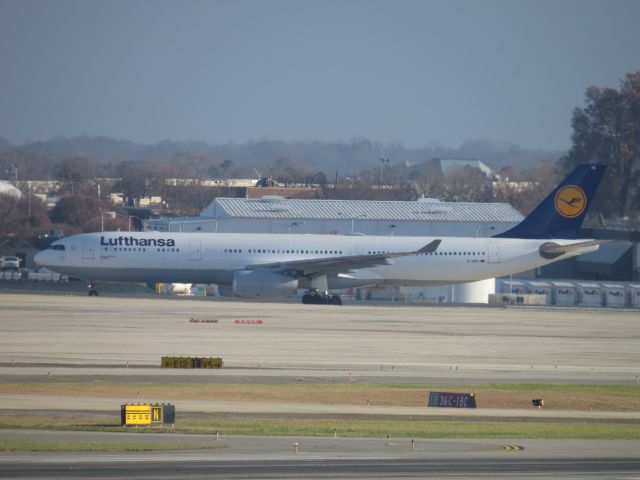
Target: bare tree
(607,130)
(468,184)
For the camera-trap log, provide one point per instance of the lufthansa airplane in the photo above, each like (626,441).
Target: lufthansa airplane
(272,265)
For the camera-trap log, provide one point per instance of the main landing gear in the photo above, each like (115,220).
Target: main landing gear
(317,297)
(93,291)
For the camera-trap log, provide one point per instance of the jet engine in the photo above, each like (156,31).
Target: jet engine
(262,283)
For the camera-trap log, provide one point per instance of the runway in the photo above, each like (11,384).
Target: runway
(329,468)
(68,335)
(274,457)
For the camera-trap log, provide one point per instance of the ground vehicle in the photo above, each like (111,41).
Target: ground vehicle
(10,263)
(315,296)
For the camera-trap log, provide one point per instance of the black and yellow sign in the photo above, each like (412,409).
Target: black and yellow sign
(147,414)
(137,414)
(191,362)
(156,414)
(570,201)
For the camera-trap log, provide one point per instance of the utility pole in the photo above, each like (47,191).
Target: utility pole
(15,172)
(28,195)
(382,163)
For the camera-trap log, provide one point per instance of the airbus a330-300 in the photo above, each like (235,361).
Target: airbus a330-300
(254,265)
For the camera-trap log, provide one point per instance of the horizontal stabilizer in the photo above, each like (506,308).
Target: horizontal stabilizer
(551,250)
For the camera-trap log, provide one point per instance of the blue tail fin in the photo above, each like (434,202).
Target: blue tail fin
(562,212)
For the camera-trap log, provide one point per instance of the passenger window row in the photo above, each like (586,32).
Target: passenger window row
(138,249)
(274,250)
(470,254)
(336,252)
(281,251)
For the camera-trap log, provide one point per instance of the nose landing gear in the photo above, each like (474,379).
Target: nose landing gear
(93,291)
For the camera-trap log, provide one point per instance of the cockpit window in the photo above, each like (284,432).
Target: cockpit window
(59,246)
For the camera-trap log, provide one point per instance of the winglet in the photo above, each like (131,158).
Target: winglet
(429,247)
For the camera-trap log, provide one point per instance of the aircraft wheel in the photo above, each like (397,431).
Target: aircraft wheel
(335,300)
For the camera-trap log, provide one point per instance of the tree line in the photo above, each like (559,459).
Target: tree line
(605,130)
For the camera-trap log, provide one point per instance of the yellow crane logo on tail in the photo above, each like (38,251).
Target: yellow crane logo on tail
(570,201)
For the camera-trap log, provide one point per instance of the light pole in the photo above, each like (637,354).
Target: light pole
(28,202)
(382,163)
(133,224)
(28,195)
(15,172)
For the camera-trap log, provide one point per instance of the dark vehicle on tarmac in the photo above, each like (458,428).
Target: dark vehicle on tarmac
(318,297)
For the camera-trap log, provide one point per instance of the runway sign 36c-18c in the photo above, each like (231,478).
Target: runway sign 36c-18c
(452,400)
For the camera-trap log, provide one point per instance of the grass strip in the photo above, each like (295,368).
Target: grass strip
(615,397)
(350,428)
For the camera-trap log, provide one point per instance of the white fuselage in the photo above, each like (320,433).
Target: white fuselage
(213,257)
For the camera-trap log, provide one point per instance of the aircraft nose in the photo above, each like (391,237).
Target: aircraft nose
(41,258)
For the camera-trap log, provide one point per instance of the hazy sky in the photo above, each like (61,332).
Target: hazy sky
(413,72)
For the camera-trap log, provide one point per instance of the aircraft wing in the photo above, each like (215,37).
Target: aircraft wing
(553,250)
(342,264)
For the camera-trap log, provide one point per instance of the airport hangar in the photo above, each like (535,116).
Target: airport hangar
(424,217)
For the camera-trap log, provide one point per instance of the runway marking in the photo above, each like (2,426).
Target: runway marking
(511,448)
(249,322)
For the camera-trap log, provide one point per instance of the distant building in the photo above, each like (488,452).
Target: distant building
(214,182)
(7,189)
(447,166)
(504,187)
(275,214)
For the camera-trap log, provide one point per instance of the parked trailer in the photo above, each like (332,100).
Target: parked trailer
(634,295)
(589,295)
(513,286)
(541,288)
(564,294)
(614,295)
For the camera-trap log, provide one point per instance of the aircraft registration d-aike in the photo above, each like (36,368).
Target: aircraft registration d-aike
(273,265)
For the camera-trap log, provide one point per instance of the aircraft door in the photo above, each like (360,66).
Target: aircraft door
(195,250)
(88,248)
(494,253)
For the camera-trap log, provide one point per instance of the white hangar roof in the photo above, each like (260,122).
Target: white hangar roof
(273,207)
(7,189)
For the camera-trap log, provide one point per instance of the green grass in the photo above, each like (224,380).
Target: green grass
(55,387)
(426,428)
(603,389)
(613,397)
(430,429)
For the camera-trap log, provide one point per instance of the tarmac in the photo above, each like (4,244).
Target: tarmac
(77,335)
